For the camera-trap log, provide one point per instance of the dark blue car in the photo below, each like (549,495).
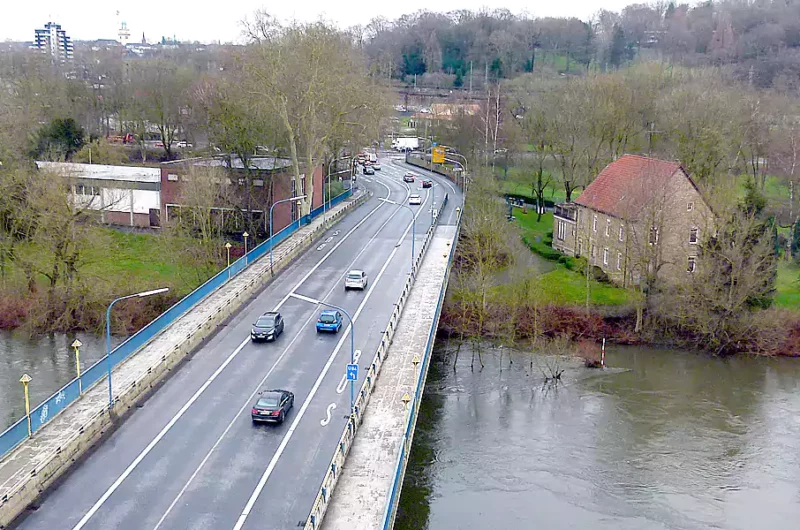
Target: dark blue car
(329,320)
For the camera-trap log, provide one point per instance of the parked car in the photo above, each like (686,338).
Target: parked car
(368,170)
(427,183)
(183,144)
(415,200)
(268,327)
(376,166)
(408,177)
(329,320)
(355,279)
(272,405)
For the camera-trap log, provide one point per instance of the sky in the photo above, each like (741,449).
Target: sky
(210,21)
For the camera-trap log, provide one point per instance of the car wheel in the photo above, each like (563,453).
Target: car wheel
(281,417)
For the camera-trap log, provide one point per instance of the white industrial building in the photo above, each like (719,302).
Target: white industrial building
(124,195)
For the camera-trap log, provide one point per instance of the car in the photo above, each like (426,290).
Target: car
(427,183)
(272,406)
(268,327)
(408,177)
(376,166)
(415,199)
(368,170)
(183,144)
(329,320)
(355,279)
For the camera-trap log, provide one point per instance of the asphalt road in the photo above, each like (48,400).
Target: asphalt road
(191,458)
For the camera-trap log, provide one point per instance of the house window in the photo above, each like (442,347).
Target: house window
(80,189)
(605,256)
(692,266)
(302,184)
(693,236)
(621,232)
(562,230)
(580,247)
(594,224)
(619,261)
(689,206)
(653,235)
(95,191)
(608,227)
(592,250)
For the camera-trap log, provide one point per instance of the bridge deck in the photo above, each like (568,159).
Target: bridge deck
(359,500)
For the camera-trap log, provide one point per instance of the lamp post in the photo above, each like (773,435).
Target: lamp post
(298,198)
(413,227)
(245,236)
(77,345)
(352,339)
(143,294)
(25,379)
(463,170)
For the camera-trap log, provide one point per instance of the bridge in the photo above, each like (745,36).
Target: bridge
(188,456)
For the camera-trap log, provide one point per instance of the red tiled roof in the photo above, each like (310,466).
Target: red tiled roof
(625,185)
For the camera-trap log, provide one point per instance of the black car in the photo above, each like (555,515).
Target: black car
(267,327)
(272,405)
(427,183)
(368,170)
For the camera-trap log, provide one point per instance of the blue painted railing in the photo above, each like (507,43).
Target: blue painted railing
(18,432)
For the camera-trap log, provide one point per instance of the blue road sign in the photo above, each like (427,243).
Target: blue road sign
(352,372)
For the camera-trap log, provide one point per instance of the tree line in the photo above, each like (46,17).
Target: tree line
(761,39)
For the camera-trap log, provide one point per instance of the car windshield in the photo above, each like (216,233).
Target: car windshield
(270,400)
(354,276)
(265,322)
(327,319)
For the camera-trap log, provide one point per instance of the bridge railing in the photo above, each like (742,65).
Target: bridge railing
(45,411)
(329,481)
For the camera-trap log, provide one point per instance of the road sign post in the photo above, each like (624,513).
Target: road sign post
(352,372)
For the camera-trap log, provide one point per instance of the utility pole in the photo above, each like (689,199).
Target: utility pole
(470,79)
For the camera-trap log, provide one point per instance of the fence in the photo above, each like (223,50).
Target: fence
(322,501)
(41,414)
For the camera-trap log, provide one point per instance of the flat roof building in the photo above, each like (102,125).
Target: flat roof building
(54,41)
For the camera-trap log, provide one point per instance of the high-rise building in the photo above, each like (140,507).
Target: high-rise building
(53,40)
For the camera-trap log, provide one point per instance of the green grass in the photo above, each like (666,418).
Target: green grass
(519,183)
(563,285)
(788,286)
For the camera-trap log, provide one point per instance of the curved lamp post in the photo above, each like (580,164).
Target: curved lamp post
(298,198)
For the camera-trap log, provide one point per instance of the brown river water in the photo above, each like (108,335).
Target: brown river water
(661,439)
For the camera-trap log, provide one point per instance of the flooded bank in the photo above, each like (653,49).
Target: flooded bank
(660,440)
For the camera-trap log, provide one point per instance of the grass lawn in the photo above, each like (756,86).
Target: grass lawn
(788,286)
(519,184)
(562,285)
(127,261)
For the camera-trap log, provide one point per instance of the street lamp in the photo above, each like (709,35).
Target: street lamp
(76,344)
(143,294)
(25,380)
(463,170)
(245,236)
(298,198)
(228,248)
(352,339)
(413,226)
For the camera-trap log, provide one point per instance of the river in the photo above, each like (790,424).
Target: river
(50,362)
(659,440)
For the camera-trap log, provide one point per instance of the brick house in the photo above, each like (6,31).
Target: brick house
(271,175)
(640,217)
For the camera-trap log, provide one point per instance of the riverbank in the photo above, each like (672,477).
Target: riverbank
(112,263)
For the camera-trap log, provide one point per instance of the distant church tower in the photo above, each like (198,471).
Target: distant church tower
(144,41)
(124,34)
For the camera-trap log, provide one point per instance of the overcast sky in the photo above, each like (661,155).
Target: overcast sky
(207,20)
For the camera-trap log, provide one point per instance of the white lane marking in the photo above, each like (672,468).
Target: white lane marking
(327,419)
(157,439)
(96,506)
(343,382)
(288,436)
(321,246)
(247,402)
(336,232)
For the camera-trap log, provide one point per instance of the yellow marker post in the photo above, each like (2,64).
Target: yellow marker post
(25,379)
(77,345)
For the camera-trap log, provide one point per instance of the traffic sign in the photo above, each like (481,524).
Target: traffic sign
(352,372)
(438,155)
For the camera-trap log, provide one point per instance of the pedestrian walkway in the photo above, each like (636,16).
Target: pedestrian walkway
(359,500)
(28,465)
